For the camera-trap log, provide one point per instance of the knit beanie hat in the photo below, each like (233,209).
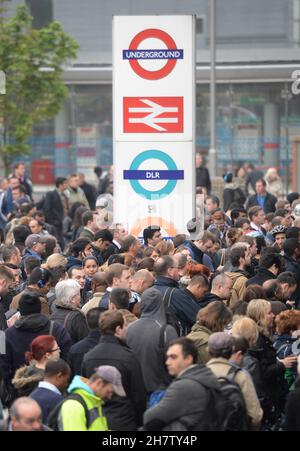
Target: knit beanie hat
(29,303)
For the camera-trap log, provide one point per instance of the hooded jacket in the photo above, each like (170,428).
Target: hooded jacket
(239,279)
(144,336)
(18,339)
(72,415)
(200,336)
(26,379)
(184,406)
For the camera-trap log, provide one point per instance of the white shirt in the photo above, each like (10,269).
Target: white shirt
(48,386)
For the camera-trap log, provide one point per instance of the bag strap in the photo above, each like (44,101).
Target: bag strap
(168,296)
(162,341)
(51,327)
(52,420)
(222,262)
(66,319)
(232,373)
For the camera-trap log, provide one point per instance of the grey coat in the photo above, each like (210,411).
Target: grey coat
(185,406)
(144,339)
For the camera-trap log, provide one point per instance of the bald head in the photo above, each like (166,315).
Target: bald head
(142,280)
(222,286)
(26,415)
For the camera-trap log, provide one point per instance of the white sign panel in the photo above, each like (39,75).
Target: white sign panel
(154,182)
(154,66)
(154,123)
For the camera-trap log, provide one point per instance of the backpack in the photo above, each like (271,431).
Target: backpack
(52,420)
(172,320)
(228,407)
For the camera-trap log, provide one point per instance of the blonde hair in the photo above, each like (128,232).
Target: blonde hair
(247,328)
(257,310)
(55,260)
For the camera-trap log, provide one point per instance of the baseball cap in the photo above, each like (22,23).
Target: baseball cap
(195,229)
(33,239)
(102,202)
(111,374)
(220,341)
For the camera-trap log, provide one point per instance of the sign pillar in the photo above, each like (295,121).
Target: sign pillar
(154,122)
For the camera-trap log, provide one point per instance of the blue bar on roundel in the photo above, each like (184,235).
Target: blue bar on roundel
(153,175)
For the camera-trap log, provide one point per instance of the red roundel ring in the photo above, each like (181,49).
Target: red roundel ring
(158,34)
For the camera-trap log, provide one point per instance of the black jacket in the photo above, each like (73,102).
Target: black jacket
(233,195)
(18,339)
(261,276)
(203,178)
(269,205)
(73,320)
(292,409)
(90,194)
(122,413)
(54,210)
(273,387)
(182,302)
(208,298)
(78,350)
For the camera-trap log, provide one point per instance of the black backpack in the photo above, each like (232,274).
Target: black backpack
(228,407)
(172,319)
(52,420)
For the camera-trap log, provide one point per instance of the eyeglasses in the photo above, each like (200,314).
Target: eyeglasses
(54,350)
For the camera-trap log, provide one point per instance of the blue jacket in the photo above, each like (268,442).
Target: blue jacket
(30,253)
(182,302)
(46,399)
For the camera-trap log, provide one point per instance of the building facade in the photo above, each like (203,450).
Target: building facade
(258,49)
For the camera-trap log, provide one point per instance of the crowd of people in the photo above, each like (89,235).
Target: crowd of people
(102,330)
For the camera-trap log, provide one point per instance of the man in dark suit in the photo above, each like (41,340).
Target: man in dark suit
(55,206)
(262,198)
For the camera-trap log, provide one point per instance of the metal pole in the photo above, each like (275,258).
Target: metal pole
(231,127)
(212,150)
(286,95)
(286,105)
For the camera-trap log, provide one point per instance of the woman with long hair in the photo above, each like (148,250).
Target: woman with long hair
(212,318)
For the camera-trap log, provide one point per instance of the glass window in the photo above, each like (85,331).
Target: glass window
(41,11)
